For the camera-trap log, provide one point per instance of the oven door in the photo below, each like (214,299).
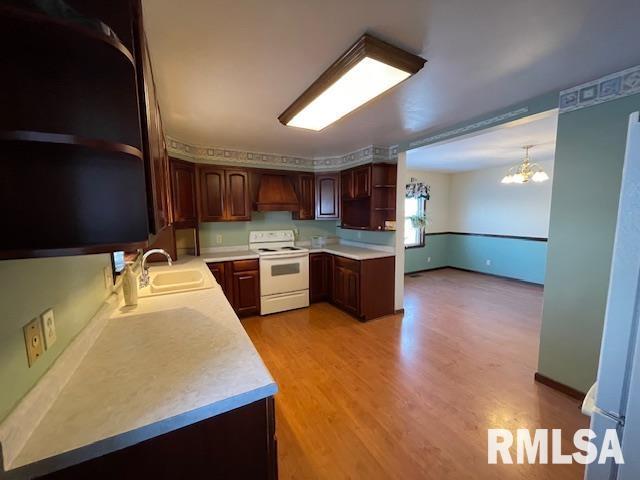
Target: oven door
(284,274)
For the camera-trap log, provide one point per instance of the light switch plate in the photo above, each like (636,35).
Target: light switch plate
(33,340)
(218,238)
(48,328)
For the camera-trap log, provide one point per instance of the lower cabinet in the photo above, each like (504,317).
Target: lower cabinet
(320,276)
(363,288)
(240,443)
(240,282)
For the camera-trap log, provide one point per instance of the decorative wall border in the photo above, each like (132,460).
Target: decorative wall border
(229,156)
(470,127)
(604,89)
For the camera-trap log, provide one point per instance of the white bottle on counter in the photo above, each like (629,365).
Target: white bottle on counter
(129,286)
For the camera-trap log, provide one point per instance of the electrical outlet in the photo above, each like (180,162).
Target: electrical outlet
(107,272)
(33,340)
(48,328)
(359,234)
(428,259)
(488,262)
(218,238)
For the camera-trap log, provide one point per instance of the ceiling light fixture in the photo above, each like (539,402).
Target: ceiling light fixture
(526,171)
(367,69)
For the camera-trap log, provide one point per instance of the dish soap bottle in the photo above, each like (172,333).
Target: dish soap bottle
(129,286)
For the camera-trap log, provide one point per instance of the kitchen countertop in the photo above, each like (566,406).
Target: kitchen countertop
(355,252)
(172,361)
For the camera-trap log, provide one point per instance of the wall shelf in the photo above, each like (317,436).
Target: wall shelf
(60,27)
(64,139)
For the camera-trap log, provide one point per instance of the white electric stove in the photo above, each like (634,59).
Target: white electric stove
(284,270)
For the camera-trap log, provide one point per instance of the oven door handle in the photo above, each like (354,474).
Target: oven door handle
(283,257)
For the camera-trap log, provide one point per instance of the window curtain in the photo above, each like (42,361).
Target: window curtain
(415,189)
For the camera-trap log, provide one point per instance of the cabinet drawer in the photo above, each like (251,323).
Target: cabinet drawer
(353,265)
(245,265)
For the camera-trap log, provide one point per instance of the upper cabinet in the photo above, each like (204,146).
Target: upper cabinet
(327,193)
(305,189)
(370,203)
(183,193)
(224,194)
(74,151)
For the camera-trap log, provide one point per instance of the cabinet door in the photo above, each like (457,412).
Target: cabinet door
(352,293)
(246,292)
(346,184)
(237,195)
(328,196)
(183,193)
(362,182)
(219,270)
(211,193)
(305,188)
(320,276)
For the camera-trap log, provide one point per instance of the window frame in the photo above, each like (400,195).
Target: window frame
(422,205)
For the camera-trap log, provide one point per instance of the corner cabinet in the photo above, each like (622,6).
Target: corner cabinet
(320,276)
(223,194)
(240,282)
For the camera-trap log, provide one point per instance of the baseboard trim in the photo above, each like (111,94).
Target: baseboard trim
(426,270)
(400,310)
(560,387)
(504,277)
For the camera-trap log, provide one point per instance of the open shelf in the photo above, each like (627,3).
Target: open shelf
(61,27)
(58,138)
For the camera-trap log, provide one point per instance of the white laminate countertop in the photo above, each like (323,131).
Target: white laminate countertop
(355,251)
(172,361)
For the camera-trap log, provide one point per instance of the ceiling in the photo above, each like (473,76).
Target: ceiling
(492,147)
(225,69)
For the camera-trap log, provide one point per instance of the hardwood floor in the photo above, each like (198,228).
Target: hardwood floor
(412,397)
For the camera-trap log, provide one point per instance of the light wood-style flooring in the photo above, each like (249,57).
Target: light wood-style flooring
(412,396)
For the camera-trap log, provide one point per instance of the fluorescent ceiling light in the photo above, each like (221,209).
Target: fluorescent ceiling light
(369,68)
(366,80)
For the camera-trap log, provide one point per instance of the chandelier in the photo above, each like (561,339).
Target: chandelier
(525,171)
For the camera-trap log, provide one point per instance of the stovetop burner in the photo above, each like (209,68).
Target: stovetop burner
(289,248)
(266,250)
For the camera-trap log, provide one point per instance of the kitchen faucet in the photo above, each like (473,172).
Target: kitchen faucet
(144,276)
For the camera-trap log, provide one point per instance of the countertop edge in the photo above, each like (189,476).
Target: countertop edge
(132,437)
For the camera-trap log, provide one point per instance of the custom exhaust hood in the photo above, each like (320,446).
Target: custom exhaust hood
(276,193)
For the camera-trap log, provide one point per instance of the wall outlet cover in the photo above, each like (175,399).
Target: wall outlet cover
(218,238)
(488,262)
(428,259)
(33,340)
(48,328)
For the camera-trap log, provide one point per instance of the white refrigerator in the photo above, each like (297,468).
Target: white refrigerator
(614,401)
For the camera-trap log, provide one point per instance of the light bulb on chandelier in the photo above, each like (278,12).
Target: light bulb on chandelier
(526,171)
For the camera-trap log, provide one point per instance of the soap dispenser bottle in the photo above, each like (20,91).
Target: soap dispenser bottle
(129,286)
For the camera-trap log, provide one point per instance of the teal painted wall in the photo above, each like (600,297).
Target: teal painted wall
(510,257)
(72,286)
(588,168)
(435,247)
(375,238)
(237,233)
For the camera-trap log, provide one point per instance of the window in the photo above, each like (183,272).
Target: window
(413,237)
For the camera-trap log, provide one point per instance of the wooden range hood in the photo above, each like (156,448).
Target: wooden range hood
(276,194)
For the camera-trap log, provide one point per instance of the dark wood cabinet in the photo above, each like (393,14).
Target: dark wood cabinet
(346,285)
(372,201)
(240,282)
(363,288)
(237,195)
(346,184)
(362,181)
(327,193)
(320,276)
(305,189)
(223,194)
(240,443)
(183,193)
(211,193)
